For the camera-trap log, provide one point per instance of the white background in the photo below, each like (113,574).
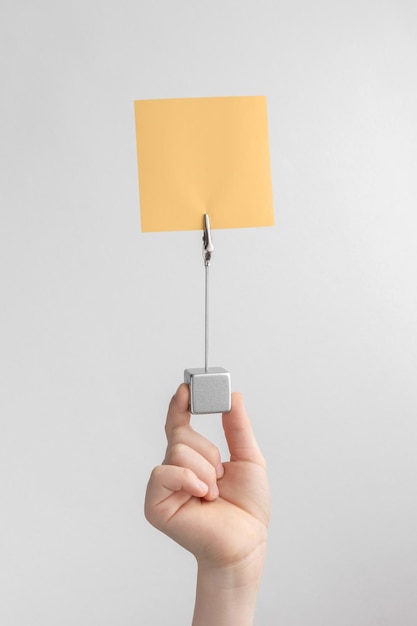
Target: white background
(315,318)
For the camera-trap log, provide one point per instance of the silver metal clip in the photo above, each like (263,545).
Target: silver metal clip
(208,247)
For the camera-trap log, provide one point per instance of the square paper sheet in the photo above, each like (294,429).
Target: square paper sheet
(203,155)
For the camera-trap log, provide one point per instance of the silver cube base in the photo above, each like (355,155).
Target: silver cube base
(210,391)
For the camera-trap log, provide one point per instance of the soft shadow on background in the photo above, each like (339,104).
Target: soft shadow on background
(315,318)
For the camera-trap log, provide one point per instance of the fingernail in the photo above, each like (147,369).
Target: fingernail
(201,485)
(219,470)
(214,491)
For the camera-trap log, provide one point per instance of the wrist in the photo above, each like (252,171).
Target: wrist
(227,594)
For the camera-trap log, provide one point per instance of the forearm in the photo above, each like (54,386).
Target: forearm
(227,597)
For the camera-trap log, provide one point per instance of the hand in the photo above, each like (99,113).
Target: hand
(218,511)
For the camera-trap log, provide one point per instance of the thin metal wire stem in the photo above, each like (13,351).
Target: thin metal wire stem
(206,317)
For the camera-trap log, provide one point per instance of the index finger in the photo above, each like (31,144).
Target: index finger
(178,410)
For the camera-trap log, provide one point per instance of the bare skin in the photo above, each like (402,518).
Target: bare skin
(218,511)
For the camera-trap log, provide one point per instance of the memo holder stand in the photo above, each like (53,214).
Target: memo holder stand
(210,387)
(204,152)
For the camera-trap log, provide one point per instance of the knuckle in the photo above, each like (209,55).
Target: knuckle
(186,474)
(176,434)
(176,453)
(156,473)
(156,476)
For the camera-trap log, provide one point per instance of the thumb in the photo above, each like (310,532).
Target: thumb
(239,434)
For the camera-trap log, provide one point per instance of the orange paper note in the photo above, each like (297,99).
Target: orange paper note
(203,155)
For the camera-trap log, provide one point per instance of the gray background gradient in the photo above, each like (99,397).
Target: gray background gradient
(315,318)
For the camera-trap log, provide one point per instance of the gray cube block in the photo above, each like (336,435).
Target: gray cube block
(210,391)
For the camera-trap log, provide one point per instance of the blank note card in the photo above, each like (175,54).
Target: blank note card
(203,155)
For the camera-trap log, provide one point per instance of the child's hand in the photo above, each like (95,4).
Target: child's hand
(219,512)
